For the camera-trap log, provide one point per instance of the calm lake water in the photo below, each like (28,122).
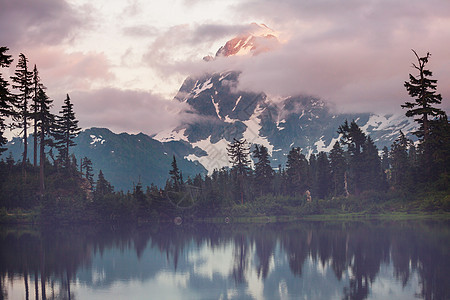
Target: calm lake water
(297,260)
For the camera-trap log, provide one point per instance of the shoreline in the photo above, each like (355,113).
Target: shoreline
(32,218)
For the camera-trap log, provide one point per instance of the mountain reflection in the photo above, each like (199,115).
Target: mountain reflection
(306,259)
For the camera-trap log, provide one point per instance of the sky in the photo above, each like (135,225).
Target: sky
(122,61)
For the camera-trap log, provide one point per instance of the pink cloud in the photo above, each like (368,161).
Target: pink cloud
(355,55)
(130,111)
(26,23)
(61,72)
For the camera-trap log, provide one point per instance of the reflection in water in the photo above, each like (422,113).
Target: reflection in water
(314,260)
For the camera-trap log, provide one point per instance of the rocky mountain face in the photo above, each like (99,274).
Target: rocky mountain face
(224,113)
(279,123)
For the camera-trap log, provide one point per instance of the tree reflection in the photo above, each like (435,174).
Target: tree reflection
(265,241)
(295,245)
(367,256)
(46,254)
(354,252)
(240,255)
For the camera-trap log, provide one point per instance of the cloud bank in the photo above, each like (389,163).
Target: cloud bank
(355,55)
(116,58)
(27,23)
(129,110)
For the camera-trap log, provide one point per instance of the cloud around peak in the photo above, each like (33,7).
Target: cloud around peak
(355,55)
(129,110)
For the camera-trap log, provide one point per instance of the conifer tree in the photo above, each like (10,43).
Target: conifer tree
(423,89)
(312,174)
(22,81)
(323,175)
(175,175)
(354,139)
(296,172)
(37,86)
(372,177)
(6,100)
(263,170)
(102,186)
(338,169)
(65,131)
(238,152)
(86,165)
(45,120)
(399,162)
(352,136)
(439,143)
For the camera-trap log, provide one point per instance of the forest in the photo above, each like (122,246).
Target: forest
(354,177)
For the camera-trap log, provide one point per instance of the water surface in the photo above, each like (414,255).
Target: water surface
(308,260)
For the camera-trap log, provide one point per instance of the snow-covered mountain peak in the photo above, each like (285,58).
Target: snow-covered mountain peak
(258,39)
(279,123)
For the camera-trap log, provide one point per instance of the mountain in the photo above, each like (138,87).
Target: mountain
(126,158)
(279,123)
(224,113)
(258,39)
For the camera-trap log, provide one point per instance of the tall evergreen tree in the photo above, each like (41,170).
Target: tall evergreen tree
(323,176)
(86,165)
(22,81)
(279,182)
(45,120)
(354,138)
(65,131)
(238,152)
(263,171)
(312,174)
(175,175)
(37,86)
(102,187)
(399,162)
(6,100)
(297,172)
(338,169)
(439,143)
(423,89)
(372,176)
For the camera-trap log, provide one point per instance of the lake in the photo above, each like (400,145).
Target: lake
(295,260)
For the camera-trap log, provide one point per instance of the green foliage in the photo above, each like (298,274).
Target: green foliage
(354,139)
(351,179)
(22,82)
(423,89)
(86,166)
(430,118)
(263,171)
(64,132)
(297,172)
(338,168)
(175,175)
(238,152)
(6,99)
